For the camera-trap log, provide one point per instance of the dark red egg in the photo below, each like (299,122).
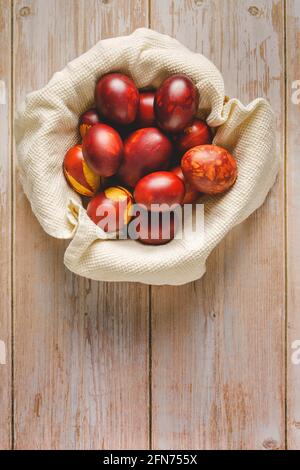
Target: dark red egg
(111,209)
(145,115)
(161,187)
(157,229)
(176,103)
(191,194)
(87,120)
(197,133)
(117,98)
(209,169)
(145,151)
(102,149)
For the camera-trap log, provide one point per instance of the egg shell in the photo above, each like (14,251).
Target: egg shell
(176,103)
(209,169)
(102,149)
(110,209)
(88,119)
(145,114)
(145,150)
(77,173)
(160,187)
(156,231)
(197,133)
(117,98)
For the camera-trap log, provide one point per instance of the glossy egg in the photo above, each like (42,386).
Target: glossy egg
(117,98)
(191,194)
(209,169)
(156,230)
(176,103)
(161,187)
(87,120)
(110,209)
(102,149)
(145,150)
(145,115)
(77,173)
(197,133)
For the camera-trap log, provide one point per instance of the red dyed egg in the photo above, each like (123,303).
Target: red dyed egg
(191,194)
(110,209)
(145,151)
(176,103)
(157,229)
(161,187)
(87,120)
(102,149)
(209,169)
(145,115)
(117,98)
(197,133)
(78,174)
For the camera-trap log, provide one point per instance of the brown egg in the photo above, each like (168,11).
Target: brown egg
(145,151)
(197,133)
(209,169)
(117,98)
(102,149)
(145,115)
(160,187)
(176,103)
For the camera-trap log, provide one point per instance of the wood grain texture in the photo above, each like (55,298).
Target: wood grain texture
(293,224)
(5,224)
(81,347)
(218,344)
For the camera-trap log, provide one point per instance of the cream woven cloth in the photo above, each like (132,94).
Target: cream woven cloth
(46,127)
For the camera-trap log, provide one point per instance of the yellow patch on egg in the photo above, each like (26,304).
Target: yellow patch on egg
(77,186)
(92,180)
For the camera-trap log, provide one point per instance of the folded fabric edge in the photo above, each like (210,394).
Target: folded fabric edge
(227,109)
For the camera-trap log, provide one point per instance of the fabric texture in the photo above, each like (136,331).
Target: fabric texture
(46,126)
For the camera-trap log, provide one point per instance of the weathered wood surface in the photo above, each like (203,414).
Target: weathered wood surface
(5,225)
(213,369)
(81,348)
(293,224)
(218,344)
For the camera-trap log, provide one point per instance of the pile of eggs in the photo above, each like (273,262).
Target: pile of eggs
(145,148)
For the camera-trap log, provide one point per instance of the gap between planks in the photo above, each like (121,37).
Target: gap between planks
(12,220)
(285,219)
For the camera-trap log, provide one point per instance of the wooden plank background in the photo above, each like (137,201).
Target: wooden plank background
(5,227)
(293,222)
(88,385)
(206,365)
(225,333)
